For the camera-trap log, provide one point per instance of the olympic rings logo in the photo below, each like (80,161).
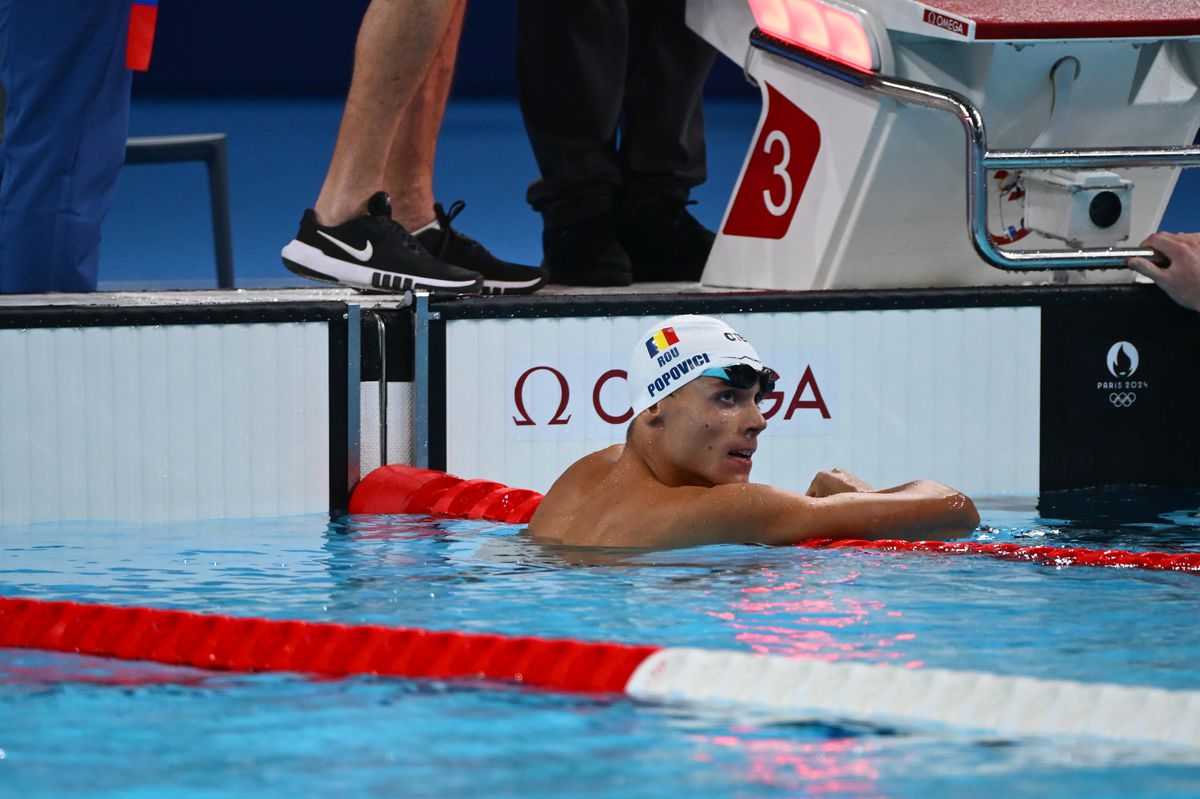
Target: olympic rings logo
(1122,399)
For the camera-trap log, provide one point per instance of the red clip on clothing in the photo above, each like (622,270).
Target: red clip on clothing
(143,15)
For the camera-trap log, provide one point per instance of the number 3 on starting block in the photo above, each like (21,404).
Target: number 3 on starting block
(777,172)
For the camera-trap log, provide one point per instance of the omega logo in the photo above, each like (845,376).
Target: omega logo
(807,384)
(564,396)
(931,17)
(806,396)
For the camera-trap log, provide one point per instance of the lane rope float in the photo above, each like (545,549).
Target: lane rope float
(795,688)
(403,489)
(227,643)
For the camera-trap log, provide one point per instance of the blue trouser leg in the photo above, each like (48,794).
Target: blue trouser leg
(62,63)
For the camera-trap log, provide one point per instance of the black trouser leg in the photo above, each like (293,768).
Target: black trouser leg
(662,150)
(571,67)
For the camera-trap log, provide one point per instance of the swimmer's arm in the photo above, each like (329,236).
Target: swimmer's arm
(920,510)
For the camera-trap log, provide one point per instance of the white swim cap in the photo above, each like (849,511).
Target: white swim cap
(675,351)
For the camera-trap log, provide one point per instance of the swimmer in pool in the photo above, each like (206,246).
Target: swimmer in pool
(682,477)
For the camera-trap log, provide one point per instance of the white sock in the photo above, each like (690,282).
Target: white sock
(431,226)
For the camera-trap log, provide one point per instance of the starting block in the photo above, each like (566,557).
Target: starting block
(907,145)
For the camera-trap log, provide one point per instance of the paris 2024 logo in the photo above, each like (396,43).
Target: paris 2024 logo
(1122,362)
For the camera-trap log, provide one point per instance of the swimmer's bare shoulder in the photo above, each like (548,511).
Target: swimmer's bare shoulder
(573,489)
(606,500)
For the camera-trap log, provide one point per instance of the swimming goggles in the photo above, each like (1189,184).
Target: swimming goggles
(743,375)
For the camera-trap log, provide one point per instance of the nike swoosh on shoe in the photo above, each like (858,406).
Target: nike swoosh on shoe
(363,255)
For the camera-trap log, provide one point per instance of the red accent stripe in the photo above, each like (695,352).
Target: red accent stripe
(407,489)
(224,643)
(1103,29)
(1097,19)
(139,43)
(669,335)
(1050,556)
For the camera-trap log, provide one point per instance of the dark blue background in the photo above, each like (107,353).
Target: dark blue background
(306,47)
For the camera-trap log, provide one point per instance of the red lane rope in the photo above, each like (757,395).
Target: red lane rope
(852,690)
(1049,556)
(226,643)
(408,489)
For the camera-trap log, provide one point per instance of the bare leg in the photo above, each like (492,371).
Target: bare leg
(398,42)
(408,176)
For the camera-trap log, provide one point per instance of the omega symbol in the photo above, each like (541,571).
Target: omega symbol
(564,397)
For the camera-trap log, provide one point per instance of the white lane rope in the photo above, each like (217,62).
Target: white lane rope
(1014,706)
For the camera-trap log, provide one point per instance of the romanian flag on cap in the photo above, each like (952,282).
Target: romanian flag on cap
(143,15)
(661,340)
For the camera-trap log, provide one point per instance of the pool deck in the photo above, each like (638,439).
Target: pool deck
(316,294)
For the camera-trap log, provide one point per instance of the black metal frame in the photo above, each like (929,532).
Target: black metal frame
(211,149)
(574,305)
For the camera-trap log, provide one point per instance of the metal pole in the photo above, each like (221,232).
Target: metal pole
(381,329)
(421,319)
(980,160)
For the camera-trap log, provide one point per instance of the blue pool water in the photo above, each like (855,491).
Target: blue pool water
(91,727)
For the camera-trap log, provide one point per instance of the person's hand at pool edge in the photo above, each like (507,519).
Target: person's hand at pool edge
(1181,278)
(835,481)
(838,481)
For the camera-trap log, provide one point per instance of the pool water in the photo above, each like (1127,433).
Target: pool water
(76,726)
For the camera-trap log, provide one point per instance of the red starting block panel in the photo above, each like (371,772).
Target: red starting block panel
(1099,19)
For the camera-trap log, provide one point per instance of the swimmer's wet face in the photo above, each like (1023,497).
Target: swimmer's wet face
(695,384)
(709,431)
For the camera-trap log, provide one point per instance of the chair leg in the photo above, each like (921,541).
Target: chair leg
(212,150)
(218,192)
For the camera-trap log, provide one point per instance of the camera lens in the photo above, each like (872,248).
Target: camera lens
(1105,209)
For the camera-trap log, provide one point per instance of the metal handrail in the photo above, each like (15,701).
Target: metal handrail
(979,160)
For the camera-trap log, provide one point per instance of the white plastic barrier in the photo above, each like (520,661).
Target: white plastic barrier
(847,188)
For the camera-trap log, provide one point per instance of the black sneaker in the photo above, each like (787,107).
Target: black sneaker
(586,253)
(372,252)
(663,240)
(451,246)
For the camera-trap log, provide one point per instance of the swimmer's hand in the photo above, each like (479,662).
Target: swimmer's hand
(1181,278)
(826,484)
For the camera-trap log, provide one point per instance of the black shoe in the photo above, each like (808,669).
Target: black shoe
(663,240)
(585,253)
(499,277)
(372,252)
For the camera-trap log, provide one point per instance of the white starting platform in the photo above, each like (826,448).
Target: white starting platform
(903,144)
